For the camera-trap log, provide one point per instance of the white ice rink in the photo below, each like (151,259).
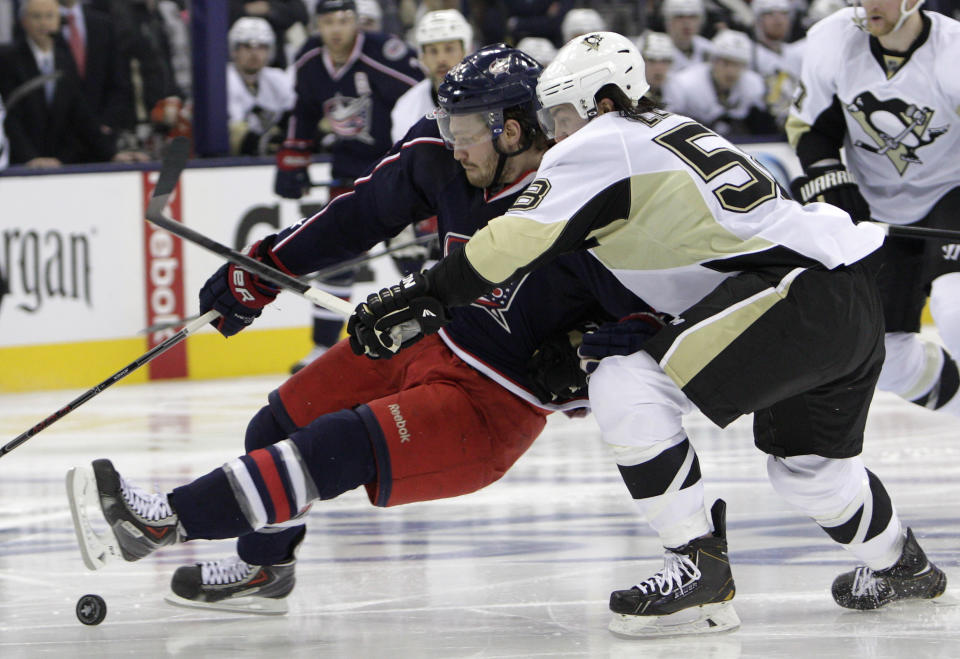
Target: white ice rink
(521,569)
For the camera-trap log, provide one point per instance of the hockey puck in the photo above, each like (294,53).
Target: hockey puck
(91,609)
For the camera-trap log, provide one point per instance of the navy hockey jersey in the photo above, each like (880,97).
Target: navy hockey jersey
(349,107)
(498,333)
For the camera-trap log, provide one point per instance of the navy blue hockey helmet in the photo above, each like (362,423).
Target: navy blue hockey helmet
(488,82)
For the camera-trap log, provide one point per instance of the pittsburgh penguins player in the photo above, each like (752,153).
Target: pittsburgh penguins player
(775,314)
(880,81)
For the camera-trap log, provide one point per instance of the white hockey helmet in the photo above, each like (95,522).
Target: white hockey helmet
(682,8)
(656,46)
(538,48)
(370,13)
(251,30)
(732,45)
(859,17)
(444,25)
(761,7)
(820,9)
(585,65)
(580,21)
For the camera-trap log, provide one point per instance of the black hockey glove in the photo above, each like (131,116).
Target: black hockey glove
(554,369)
(395,318)
(835,186)
(292,162)
(622,338)
(239,295)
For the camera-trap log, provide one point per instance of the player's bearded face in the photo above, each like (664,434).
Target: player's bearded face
(338,29)
(473,148)
(440,57)
(881,15)
(251,58)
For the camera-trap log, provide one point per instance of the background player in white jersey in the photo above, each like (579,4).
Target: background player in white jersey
(258,96)
(723,94)
(581,21)
(538,48)
(881,82)
(443,38)
(657,51)
(4,147)
(684,21)
(772,58)
(775,314)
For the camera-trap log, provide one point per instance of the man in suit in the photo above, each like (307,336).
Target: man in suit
(54,124)
(104,73)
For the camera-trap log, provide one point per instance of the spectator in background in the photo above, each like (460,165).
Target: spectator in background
(683,20)
(722,94)
(281,14)
(369,16)
(105,75)
(443,38)
(657,50)
(581,21)
(536,18)
(538,48)
(54,124)
(346,90)
(773,20)
(258,96)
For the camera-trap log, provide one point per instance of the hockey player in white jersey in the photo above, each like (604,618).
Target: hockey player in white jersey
(880,81)
(723,94)
(4,149)
(775,314)
(772,55)
(657,51)
(258,96)
(684,22)
(443,38)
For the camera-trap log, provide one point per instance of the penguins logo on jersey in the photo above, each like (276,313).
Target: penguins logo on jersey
(898,128)
(498,301)
(349,118)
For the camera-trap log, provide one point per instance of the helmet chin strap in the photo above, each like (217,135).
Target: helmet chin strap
(905,13)
(502,160)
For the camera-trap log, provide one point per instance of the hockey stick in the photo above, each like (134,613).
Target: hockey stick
(908,231)
(151,354)
(29,86)
(320,274)
(174,161)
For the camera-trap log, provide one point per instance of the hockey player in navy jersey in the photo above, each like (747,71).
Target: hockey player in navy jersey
(346,90)
(448,416)
(776,314)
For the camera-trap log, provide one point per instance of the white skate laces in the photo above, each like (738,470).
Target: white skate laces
(150,506)
(224,571)
(865,583)
(678,571)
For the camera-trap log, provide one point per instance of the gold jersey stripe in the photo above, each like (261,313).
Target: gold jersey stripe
(696,347)
(795,128)
(509,240)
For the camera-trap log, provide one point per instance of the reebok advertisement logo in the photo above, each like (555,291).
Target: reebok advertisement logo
(400,422)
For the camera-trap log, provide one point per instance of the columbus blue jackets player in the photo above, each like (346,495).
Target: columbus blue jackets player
(346,89)
(446,417)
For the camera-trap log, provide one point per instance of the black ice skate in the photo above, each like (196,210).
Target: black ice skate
(691,595)
(138,523)
(233,585)
(911,577)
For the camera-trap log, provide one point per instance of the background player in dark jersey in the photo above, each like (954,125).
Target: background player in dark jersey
(881,82)
(447,417)
(346,89)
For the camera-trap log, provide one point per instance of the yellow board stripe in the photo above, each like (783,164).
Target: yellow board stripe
(209,355)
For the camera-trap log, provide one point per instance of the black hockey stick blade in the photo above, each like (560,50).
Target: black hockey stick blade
(146,357)
(910,231)
(172,165)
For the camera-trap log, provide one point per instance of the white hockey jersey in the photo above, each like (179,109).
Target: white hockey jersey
(692,93)
(411,107)
(700,53)
(274,96)
(902,117)
(669,207)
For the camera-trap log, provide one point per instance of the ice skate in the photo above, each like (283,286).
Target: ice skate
(691,595)
(138,523)
(911,577)
(233,585)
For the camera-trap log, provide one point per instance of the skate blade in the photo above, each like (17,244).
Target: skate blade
(263,606)
(95,549)
(706,619)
